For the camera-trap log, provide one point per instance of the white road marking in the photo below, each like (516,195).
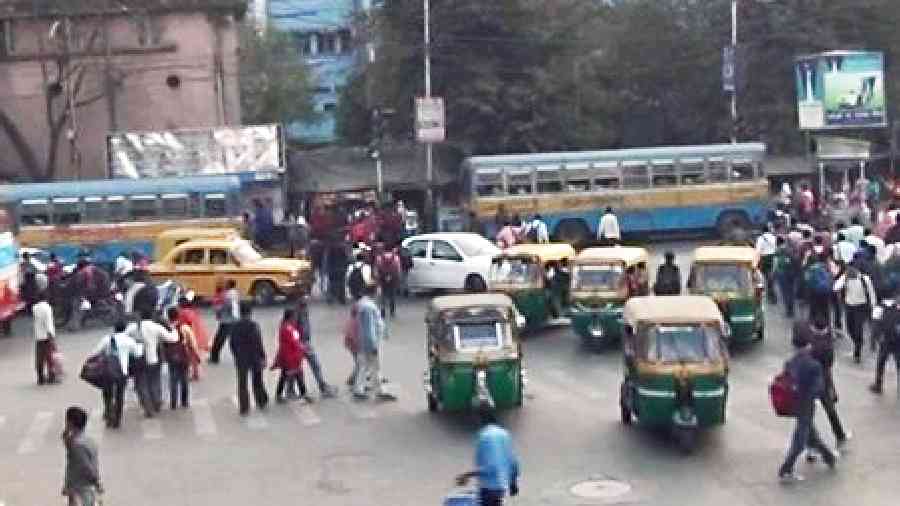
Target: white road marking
(37,431)
(95,425)
(255,420)
(306,414)
(151,428)
(204,423)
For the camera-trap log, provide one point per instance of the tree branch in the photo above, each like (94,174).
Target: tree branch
(20,144)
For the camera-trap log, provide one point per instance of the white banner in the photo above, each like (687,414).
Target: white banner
(430,119)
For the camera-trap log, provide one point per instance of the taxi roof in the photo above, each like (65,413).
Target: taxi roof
(672,309)
(209,243)
(725,254)
(203,232)
(546,252)
(628,254)
(471,299)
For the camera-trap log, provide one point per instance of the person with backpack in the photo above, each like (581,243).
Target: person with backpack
(668,277)
(358,275)
(178,356)
(818,281)
(887,315)
(808,378)
(858,296)
(120,345)
(785,269)
(148,383)
(821,340)
(388,269)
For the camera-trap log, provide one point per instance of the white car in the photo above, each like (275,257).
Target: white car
(450,260)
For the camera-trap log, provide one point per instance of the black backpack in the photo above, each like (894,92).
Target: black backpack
(357,281)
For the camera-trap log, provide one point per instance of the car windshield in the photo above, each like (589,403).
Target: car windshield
(245,253)
(478,336)
(598,277)
(713,278)
(514,271)
(683,343)
(474,245)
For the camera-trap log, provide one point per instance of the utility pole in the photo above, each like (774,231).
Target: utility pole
(734,43)
(429,155)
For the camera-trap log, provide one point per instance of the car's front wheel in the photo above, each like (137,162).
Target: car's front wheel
(263,293)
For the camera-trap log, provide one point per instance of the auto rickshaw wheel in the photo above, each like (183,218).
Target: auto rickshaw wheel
(626,414)
(686,439)
(432,402)
(263,293)
(761,333)
(474,284)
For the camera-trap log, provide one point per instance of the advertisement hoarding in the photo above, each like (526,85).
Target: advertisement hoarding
(430,119)
(195,152)
(841,89)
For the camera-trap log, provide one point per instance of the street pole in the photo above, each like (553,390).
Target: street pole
(734,42)
(379,178)
(429,160)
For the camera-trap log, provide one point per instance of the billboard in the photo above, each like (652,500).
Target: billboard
(841,89)
(430,119)
(195,152)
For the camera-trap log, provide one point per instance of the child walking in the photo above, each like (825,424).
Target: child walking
(290,359)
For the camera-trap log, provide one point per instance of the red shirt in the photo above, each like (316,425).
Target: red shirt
(290,350)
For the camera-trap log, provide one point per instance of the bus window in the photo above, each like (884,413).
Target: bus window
(635,175)
(66,211)
(175,205)
(578,178)
(35,212)
(607,175)
(664,173)
(741,170)
(93,210)
(215,205)
(488,183)
(519,183)
(116,209)
(718,170)
(691,171)
(548,180)
(142,207)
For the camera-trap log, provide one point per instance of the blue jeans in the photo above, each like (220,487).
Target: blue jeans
(787,285)
(805,434)
(82,496)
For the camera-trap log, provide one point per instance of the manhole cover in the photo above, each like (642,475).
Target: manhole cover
(600,489)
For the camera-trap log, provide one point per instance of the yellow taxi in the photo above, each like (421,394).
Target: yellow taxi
(203,264)
(173,237)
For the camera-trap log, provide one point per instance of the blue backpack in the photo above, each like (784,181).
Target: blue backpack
(819,279)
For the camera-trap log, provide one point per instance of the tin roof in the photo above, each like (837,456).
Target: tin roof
(469,300)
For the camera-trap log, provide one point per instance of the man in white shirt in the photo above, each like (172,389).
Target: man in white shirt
(855,233)
(844,249)
(120,344)
(44,332)
(608,231)
(150,335)
(537,230)
(766,247)
(859,298)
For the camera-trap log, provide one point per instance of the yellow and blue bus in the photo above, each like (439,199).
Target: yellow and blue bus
(719,187)
(107,217)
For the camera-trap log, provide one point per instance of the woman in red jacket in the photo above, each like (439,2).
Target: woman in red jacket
(290,359)
(188,315)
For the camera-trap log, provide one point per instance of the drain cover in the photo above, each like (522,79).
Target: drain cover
(600,489)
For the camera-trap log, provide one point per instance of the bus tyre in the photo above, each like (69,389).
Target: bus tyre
(474,284)
(574,232)
(263,293)
(734,226)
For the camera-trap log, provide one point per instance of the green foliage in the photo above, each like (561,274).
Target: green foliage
(276,86)
(526,75)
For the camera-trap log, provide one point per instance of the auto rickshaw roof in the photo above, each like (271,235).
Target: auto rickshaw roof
(547,252)
(672,309)
(630,255)
(449,302)
(720,254)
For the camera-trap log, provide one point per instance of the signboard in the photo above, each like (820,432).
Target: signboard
(195,152)
(430,119)
(728,69)
(841,89)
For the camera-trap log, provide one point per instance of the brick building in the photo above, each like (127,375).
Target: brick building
(73,70)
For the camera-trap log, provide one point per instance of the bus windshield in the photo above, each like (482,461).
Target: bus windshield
(598,277)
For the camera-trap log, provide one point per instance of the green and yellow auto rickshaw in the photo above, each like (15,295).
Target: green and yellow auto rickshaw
(530,274)
(474,354)
(599,291)
(676,365)
(730,275)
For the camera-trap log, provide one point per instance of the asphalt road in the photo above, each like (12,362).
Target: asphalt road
(339,452)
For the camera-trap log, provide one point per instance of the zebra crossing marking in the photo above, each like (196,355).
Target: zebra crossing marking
(306,414)
(255,419)
(36,433)
(204,423)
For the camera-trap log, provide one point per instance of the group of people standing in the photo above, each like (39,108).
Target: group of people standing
(512,230)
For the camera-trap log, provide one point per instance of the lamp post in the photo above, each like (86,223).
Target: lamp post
(734,42)
(429,155)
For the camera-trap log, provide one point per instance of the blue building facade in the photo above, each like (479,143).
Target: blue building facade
(324,34)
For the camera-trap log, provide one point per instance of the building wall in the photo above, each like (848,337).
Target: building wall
(324,34)
(174,70)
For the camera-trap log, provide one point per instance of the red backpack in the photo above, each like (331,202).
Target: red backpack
(783,394)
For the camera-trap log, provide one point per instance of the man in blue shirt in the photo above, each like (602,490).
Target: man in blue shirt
(497,466)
